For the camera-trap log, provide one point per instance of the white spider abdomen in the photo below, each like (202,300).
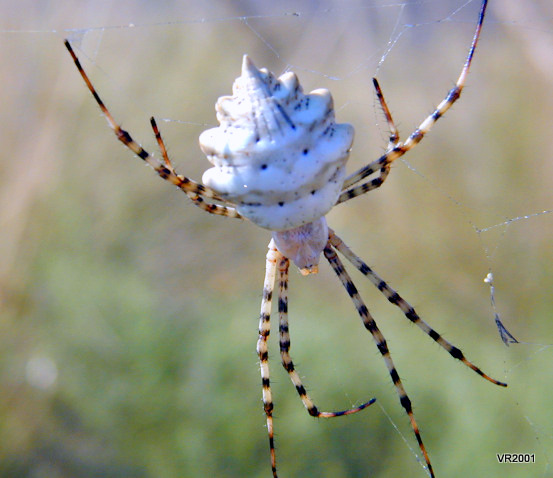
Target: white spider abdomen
(278,154)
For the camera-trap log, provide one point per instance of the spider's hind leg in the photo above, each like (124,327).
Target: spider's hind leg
(196,198)
(399,148)
(384,168)
(194,190)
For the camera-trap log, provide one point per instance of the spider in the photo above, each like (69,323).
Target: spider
(279,160)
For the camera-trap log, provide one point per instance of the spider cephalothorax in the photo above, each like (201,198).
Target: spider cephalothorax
(279,160)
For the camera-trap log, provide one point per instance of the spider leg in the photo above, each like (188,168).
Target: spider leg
(394,133)
(407,309)
(165,172)
(282,268)
(416,136)
(393,141)
(385,170)
(194,197)
(262,351)
(375,183)
(380,341)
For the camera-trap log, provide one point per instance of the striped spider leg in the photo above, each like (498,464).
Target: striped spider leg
(277,269)
(196,198)
(393,141)
(335,244)
(396,148)
(194,190)
(404,306)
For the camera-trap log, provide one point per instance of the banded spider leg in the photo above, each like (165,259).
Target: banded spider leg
(164,168)
(396,148)
(277,269)
(336,244)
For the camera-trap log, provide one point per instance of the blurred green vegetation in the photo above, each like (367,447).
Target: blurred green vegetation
(129,318)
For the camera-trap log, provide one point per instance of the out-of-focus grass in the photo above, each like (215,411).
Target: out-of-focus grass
(128,317)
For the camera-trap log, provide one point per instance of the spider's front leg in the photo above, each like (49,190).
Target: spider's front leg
(287,363)
(262,350)
(408,311)
(380,341)
(277,266)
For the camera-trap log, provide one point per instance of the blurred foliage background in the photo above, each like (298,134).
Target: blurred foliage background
(129,317)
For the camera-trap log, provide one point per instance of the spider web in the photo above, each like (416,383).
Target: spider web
(133,315)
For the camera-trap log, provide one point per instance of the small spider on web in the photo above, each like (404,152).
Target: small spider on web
(279,161)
